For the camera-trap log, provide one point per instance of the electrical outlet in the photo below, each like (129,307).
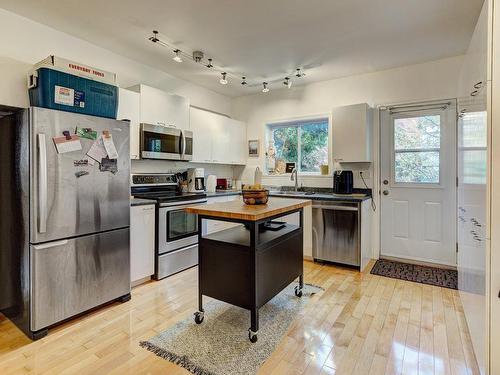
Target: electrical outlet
(366,174)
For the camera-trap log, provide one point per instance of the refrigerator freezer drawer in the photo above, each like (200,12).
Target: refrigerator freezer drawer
(71,276)
(176,261)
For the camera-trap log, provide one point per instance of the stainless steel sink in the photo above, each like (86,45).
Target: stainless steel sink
(291,193)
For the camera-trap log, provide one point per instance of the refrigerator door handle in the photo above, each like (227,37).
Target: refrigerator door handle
(50,244)
(42,183)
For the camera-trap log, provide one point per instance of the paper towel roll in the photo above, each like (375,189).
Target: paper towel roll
(211,183)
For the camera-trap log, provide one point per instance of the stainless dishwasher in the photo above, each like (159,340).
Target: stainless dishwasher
(337,232)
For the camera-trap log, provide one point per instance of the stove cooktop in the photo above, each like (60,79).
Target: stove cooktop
(169,196)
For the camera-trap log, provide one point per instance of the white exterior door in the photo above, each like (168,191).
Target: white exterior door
(418,183)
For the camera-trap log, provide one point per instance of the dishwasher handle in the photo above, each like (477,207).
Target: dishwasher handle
(336,208)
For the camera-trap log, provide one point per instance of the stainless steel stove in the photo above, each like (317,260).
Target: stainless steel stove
(176,230)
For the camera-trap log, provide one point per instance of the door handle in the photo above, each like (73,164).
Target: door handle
(385,192)
(183,144)
(42,184)
(385,182)
(50,244)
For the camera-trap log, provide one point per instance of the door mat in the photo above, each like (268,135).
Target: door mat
(420,274)
(220,344)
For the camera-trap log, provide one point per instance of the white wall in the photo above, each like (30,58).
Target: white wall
(24,42)
(431,80)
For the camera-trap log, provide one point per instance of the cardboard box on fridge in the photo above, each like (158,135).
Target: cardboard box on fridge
(71,67)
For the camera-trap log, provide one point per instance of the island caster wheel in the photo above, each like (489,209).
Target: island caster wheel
(298,291)
(198,317)
(252,336)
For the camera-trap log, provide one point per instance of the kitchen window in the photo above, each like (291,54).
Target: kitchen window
(304,143)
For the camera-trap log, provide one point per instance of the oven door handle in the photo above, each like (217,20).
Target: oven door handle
(178,204)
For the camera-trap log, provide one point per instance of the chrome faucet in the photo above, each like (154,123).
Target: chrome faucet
(296,178)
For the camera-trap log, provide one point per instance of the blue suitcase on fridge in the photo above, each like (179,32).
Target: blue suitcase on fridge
(50,88)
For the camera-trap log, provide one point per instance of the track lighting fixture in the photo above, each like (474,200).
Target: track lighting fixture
(199,58)
(223,80)
(177,57)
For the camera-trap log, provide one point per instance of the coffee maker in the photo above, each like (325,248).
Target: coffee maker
(196,180)
(342,182)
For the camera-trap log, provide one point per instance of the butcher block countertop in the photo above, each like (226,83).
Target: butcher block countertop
(238,210)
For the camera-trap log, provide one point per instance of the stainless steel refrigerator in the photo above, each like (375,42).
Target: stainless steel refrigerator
(64,231)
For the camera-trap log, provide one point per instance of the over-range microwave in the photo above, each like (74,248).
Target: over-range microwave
(164,142)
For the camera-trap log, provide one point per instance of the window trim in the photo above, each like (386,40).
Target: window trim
(428,185)
(297,122)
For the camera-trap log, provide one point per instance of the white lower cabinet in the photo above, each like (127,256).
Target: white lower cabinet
(212,226)
(142,242)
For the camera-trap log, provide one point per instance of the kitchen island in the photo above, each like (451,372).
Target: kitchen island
(247,265)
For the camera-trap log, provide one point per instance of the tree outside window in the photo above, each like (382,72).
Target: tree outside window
(304,143)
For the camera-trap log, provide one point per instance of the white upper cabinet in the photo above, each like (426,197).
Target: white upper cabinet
(352,133)
(161,108)
(217,138)
(201,124)
(129,109)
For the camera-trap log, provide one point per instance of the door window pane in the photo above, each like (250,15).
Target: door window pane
(417,132)
(313,147)
(417,167)
(417,142)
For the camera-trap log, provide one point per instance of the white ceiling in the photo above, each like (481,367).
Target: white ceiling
(267,39)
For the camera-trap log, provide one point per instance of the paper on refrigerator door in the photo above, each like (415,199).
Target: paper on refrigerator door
(97,151)
(64,145)
(110,146)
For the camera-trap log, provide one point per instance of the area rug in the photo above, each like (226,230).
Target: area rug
(220,344)
(420,274)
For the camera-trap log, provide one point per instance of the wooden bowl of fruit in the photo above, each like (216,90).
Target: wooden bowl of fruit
(255,194)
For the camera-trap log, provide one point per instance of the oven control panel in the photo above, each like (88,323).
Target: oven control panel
(154,179)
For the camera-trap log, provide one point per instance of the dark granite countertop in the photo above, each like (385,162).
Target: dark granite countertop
(313,194)
(223,193)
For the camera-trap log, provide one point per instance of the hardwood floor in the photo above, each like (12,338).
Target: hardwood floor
(361,324)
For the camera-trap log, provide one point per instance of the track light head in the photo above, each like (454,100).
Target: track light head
(177,57)
(209,65)
(243,81)
(264,87)
(299,73)
(287,82)
(198,56)
(154,38)
(223,80)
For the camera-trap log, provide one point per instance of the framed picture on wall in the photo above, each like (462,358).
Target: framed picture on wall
(253,148)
